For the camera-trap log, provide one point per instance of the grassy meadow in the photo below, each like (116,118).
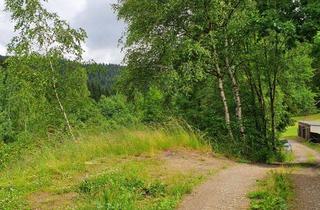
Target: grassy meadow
(113,170)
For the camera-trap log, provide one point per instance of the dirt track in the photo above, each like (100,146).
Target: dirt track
(307,179)
(228,189)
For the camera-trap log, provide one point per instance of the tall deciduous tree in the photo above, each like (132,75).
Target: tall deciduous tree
(42,32)
(192,38)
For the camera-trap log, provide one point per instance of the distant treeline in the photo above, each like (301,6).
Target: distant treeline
(101,78)
(2,59)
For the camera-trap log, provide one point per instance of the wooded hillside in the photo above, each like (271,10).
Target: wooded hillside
(198,77)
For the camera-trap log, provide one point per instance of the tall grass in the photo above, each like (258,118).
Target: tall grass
(61,166)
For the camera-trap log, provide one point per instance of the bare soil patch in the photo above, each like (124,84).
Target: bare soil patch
(46,200)
(183,160)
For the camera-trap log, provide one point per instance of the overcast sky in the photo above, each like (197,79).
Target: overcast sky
(95,16)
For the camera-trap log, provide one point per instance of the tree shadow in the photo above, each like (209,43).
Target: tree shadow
(298,164)
(313,165)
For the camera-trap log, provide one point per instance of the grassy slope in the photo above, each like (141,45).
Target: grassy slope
(115,170)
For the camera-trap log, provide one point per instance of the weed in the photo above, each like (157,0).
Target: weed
(130,190)
(121,190)
(274,192)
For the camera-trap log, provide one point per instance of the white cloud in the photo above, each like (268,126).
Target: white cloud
(3,50)
(104,30)
(2,4)
(104,55)
(67,9)
(6,29)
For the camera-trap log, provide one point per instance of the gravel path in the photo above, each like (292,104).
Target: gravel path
(227,190)
(306,180)
(303,153)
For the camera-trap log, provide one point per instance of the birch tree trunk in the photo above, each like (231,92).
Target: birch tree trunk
(225,105)
(236,92)
(237,97)
(223,98)
(60,103)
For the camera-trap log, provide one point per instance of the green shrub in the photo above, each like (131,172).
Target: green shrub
(153,106)
(29,104)
(117,110)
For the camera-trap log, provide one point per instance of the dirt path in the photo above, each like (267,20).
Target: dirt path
(307,179)
(227,190)
(304,154)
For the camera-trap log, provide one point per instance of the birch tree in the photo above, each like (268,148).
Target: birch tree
(44,33)
(193,38)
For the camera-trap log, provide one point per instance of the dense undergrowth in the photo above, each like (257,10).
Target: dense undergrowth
(113,170)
